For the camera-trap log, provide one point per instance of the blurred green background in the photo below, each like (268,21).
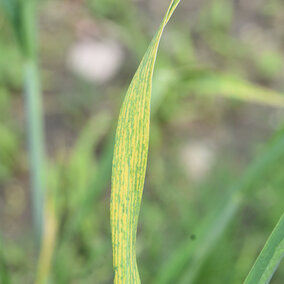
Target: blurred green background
(217,105)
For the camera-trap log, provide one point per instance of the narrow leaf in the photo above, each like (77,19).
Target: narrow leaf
(269,258)
(48,244)
(129,163)
(229,86)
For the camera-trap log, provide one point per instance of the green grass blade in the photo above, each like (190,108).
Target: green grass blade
(33,103)
(129,163)
(269,258)
(230,86)
(189,257)
(26,24)
(48,244)
(22,15)
(87,181)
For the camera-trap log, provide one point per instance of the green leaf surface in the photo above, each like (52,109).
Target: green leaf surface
(269,258)
(229,86)
(129,162)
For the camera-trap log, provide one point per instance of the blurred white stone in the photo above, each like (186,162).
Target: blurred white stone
(95,61)
(198,158)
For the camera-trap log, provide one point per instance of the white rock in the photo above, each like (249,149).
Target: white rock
(95,61)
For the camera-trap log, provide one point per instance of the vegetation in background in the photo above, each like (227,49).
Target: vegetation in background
(217,97)
(22,16)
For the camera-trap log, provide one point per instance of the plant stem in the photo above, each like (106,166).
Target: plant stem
(34,114)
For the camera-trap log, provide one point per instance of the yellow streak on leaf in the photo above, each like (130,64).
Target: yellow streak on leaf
(129,163)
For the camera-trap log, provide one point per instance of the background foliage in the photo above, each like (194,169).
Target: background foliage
(217,104)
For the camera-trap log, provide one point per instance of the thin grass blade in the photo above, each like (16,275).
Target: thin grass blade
(48,244)
(269,258)
(229,86)
(129,162)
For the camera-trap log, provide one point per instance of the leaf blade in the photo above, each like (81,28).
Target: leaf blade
(269,258)
(209,83)
(129,162)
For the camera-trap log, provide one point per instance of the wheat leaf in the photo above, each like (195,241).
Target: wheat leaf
(269,258)
(129,162)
